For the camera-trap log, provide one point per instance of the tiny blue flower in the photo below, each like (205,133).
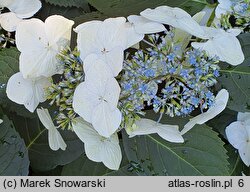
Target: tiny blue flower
(184,73)
(143,88)
(171,57)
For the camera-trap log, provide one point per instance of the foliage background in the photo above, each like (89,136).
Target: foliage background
(24,148)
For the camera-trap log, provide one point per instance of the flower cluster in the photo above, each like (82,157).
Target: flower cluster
(61,93)
(170,80)
(233,13)
(97,92)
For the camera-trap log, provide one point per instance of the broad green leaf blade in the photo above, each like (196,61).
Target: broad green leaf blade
(85,167)
(201,154)
(236,165)
(42,158)
(237,79)
(220,122)
(69,3)
(68,12)
(14,159)
(129,7)
(8,63)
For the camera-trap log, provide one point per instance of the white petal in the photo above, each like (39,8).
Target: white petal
(132,37)
(55,140)
(96,147)
(112,93)
(45,118)
(58,30)
(111,33)
(39,63)
(9,21)
(90,138)
(182,37)
(114,58)
(236,134)
(145,26)
(219,105)
(234,32)
(15,86)
(244,152)
(223,44)
(175,17)
(1,121)
(96,71)
(170,133)
(223,7)
(243,116)
(33,94)
(144,127)
(84,101)
(104,120)
(30,36)
(24,8)
(86,38)
(5,3)
(111,153)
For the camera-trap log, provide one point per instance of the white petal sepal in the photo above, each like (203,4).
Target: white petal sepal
(146,126)
(223,44)
(238,135)
(175,17)
(23,8)
(145,26)
(219,105)
(27,92)
(55,139)
(99,106)
(107,39)
(98,148)
(40,42)
(9,21)
(19,9)
(224,6)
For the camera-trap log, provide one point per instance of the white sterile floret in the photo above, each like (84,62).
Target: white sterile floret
(27,92)
(108,39)
(145,26)
(55,139)
(220,104)
(146,126)
(223,44)
(175,17)
(238,135)
(98,148)
(97,97)
(40,42)
(1,121)
(20,9)
(224,6)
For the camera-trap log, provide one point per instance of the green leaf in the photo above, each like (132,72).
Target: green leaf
(201,154)
(9,63)
(221,121)
(236,165)
(236,79)
(85,167)
(69,3)
(42,158)
(129,7)
(68,12)
(14,159)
